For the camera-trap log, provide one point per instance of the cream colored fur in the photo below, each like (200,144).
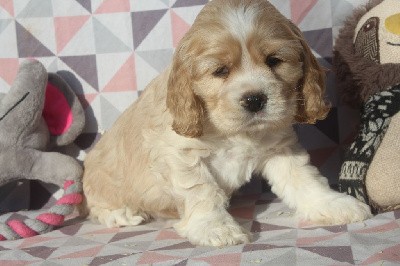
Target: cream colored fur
(187,144)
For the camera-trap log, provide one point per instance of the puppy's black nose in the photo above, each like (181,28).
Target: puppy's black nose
(254,102)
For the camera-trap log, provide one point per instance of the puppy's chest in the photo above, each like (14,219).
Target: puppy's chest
(233,165)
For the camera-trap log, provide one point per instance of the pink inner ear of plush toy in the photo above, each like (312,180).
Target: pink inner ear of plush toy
(56,111)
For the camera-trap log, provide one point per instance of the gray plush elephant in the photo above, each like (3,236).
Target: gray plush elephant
(39,113)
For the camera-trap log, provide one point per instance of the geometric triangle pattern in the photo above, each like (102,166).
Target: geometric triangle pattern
(108,51)
(277,240)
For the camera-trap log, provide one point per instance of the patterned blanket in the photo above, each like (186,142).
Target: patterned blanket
(279,238)
(108,51)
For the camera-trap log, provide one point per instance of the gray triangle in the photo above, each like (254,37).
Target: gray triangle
(264,227)
(143,22)
(86,4)
(277,238)
(53,66)
(316,38)
(375,241)
(108,113)
(85,66)
(285,259)
(337,253)
(340,10)
(28,45)
(79,241)
(158,59)
(106,41)
(185,3)
(4,23)
(37,8)
(166,2)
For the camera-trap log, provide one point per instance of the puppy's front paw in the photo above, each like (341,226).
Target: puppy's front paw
(217,233)
(341,209)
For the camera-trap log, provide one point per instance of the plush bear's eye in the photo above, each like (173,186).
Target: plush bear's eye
(369,26)
(221,72)
(272,61)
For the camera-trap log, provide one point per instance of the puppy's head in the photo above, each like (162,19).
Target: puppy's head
(243,67)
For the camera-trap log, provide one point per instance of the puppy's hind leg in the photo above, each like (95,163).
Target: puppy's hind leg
(118,217)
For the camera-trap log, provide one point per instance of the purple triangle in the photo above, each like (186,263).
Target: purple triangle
(28,45)
(70,230)
(321,42)
(86,4)
(337,253)
(125,235)
(184,3)
(85,66)
(182,263)
(40,252)
(183,245)
(255,247)
(110,258)
(397,214)
(143,22)
(262,227)
(332,228)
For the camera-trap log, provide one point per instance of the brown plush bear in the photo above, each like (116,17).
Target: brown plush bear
(367,64)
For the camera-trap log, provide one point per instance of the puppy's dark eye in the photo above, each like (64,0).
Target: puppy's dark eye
(272,61)
(221,72)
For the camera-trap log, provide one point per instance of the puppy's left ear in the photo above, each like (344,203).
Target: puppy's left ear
(312,105)
(186,107)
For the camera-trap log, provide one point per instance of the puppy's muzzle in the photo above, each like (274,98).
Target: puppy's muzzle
(254,102)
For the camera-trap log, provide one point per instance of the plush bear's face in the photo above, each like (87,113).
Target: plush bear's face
(377,35)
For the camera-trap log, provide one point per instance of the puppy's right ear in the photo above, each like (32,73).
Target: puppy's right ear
(186,107)
(312,105)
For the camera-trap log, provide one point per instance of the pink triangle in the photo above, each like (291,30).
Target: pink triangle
(168,234)
(300,11)
(104,231)
(31,241)
(9,69)
(124,79)
(179,28)
(152,257)
(66,28)
(19,262)
(304,241)
(90,252)
(8,6)
(390,254)
(381,228)
(114,6)
(224,259)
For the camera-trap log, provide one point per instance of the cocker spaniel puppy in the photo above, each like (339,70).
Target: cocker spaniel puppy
(223,110)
